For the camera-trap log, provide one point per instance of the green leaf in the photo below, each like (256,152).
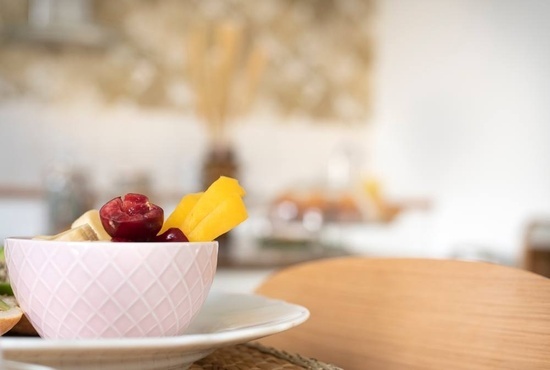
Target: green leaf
(4,306)
(5,289)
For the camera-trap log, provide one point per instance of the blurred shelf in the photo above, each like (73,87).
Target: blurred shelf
(261,258)
(21,192)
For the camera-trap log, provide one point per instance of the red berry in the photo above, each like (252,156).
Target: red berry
(121,240)
(132,218)
(172,235)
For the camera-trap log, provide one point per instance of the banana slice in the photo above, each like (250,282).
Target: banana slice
(10,314)
(80,233)
(92,218)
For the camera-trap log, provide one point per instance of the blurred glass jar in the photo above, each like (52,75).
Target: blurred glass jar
(68,196)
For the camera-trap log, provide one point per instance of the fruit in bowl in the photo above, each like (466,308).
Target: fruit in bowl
(124,271)
(10,314)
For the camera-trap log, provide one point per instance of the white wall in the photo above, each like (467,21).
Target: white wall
(463,113)
(113,141)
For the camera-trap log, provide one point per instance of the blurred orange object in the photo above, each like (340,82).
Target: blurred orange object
(382,209)
(385,210)
(334,207)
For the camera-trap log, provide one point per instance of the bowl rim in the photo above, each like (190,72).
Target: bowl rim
(105,243)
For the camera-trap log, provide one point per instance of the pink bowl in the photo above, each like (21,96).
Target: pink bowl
(71,290)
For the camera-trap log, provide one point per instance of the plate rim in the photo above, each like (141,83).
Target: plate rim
(194,342)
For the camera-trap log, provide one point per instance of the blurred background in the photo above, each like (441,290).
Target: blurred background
(380,127)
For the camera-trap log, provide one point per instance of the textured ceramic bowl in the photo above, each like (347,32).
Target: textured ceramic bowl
(72,290)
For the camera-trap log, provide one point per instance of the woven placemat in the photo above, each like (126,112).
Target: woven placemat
(254,356)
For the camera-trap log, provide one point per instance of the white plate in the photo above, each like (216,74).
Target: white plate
(225,319)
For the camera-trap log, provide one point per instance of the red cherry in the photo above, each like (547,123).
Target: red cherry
(172,235)
(131,218)
(121,240)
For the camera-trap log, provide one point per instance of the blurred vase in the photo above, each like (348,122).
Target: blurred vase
(220,160)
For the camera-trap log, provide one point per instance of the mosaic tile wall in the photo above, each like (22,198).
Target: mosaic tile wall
(313,58)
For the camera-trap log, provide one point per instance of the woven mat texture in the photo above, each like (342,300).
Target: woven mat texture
(257,357)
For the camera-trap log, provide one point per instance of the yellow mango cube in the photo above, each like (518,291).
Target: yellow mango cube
(217,193)
(224,217)
(178,216)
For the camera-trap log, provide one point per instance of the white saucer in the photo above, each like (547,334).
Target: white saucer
(225,319)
